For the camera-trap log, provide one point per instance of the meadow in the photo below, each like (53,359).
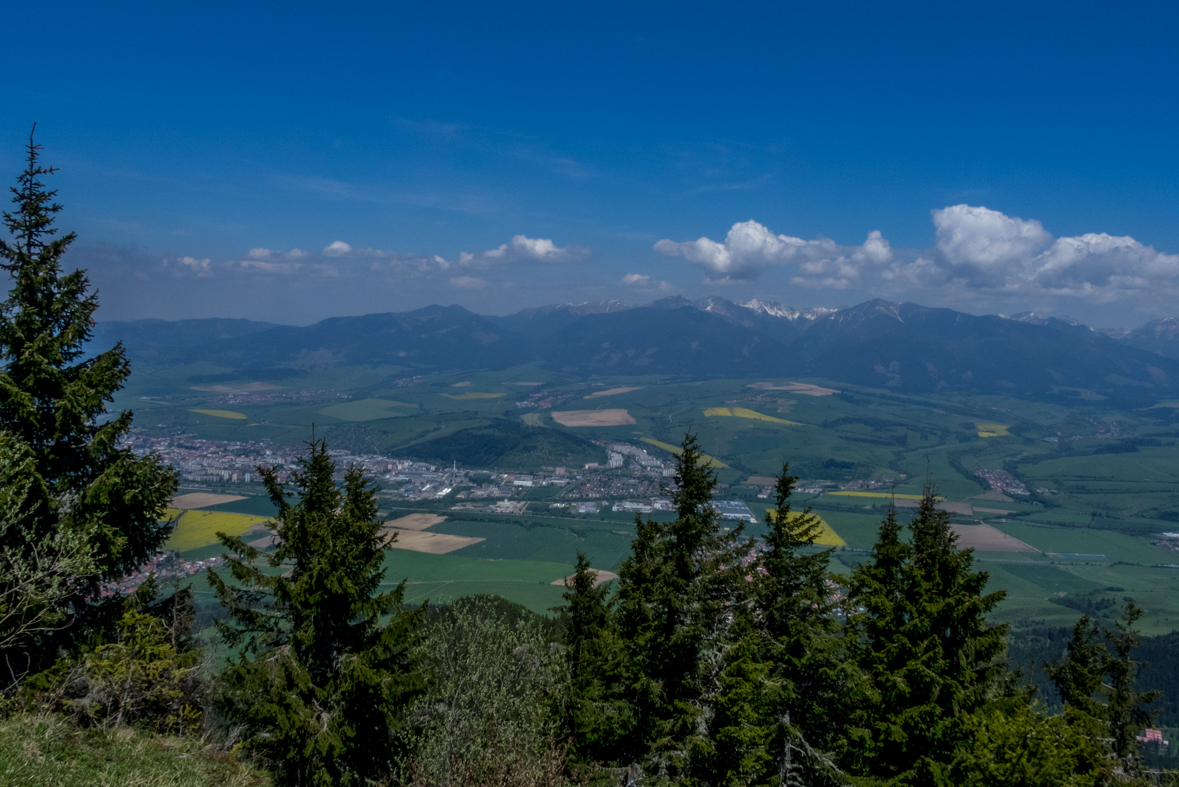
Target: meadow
(368,410)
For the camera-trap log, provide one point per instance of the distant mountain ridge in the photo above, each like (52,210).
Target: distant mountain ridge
(904,346)
(1157,336)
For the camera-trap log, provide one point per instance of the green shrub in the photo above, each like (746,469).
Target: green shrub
(491,713)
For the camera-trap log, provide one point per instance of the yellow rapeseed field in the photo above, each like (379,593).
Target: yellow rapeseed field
(988,429)
(827,537)
(198,529)
(675,449)
(221,414)
(882,494)
(742,412)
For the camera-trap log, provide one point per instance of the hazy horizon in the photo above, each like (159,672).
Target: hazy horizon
(325,162)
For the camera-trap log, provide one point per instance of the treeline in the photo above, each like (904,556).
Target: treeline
(715,659)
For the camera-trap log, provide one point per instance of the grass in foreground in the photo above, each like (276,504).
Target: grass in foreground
(51,751)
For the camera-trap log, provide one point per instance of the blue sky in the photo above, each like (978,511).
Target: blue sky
(301,161)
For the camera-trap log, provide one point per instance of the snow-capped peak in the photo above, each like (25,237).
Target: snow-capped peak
(775,309)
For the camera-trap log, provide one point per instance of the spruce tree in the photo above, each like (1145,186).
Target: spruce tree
(638,606)
(673,593)
(1096,680)
(52,402)
(598,716)
(321,682)
(1079,676)
(879,637)
(924,641)
(1126,707)
(739,705)
(809,679)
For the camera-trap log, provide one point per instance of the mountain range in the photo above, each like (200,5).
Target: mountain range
(903,346)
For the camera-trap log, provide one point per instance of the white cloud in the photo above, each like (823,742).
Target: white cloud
(523,248)
(750,248)
(337,248)
(468,283)
(978,251)
(986,239)
(986,249)
(640,281)
(296,254)
(189,265)
(259,254)
(537,248)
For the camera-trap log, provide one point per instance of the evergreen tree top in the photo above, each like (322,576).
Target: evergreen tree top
(33,222)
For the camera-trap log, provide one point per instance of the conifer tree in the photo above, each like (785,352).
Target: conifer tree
(638,605)
(52,398)
(1080,675)
(878,635)
(809,679)
(1096,683)
(1126,707)
(321,683)
(923,639)
(673,594)
(736,751)
(599,716)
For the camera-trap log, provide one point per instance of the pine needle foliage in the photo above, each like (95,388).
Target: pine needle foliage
(921,635)
(321,684)
(675,592)
(810,681)
(1096,680)
(53,398)
(598,715)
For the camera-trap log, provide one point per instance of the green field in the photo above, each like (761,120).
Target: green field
(368,410)
(473,395)
(1116,547)
(1102,482)
(440,578)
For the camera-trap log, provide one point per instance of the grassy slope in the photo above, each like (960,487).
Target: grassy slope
(52,752)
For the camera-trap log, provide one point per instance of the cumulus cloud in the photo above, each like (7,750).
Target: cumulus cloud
(751,248)
(986,249)
(337,248)
(523,249)
(986,239)
(977,250)
(468,283)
